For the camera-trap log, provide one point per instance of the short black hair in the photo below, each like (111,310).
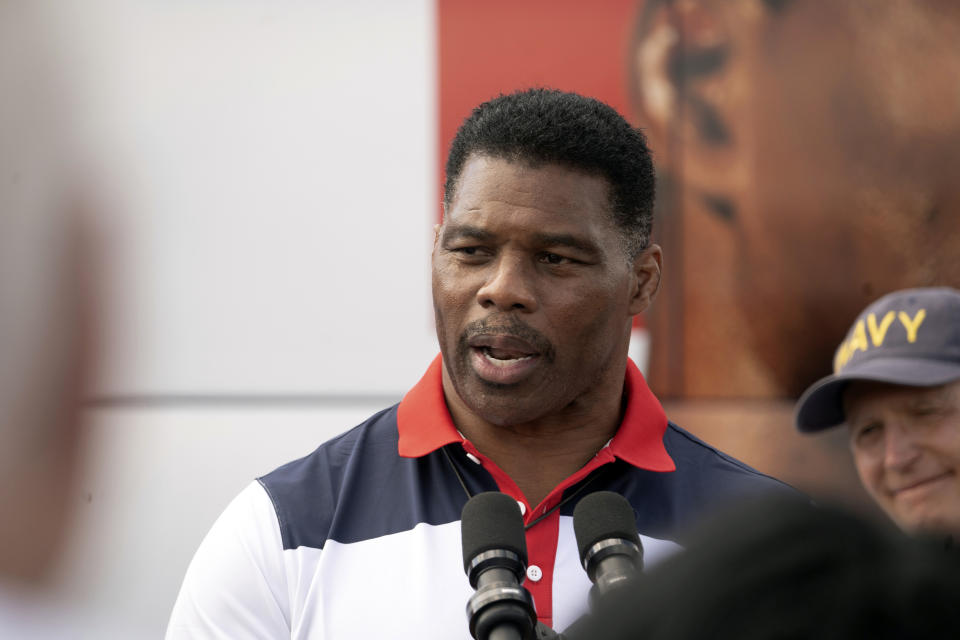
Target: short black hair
(546,126)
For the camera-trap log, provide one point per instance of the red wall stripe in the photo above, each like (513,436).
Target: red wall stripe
(498,46)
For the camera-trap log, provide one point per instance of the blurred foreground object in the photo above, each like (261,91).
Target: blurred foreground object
(44,326)
(787,570)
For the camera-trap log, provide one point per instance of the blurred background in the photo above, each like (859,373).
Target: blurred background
(266,175)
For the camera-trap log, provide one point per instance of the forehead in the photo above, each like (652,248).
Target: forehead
(489,185)
(864,396)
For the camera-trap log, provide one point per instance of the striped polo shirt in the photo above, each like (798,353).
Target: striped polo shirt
(361,538)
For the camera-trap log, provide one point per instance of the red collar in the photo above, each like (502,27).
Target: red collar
(425,424)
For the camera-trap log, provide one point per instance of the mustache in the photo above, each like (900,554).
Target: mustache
(508,325)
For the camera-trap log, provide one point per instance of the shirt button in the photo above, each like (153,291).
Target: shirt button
(523,508)
(534,573)
(474,458)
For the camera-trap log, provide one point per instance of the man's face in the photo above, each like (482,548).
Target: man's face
(906,446)
(532,291)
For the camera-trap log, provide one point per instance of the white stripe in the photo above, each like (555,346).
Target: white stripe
(571,585)
(405,585)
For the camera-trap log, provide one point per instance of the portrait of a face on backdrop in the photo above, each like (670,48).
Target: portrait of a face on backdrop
(805,152)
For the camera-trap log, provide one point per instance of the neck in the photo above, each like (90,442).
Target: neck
(540,454)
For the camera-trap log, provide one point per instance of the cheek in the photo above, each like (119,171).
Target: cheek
(603,315)
(453,299)
(440,299)
(948,443)
(447,287)
(870,471)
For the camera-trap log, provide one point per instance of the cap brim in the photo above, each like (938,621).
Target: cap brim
(821,406)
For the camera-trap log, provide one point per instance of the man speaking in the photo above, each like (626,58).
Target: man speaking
(539,267)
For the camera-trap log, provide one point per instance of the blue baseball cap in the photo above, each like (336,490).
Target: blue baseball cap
(909,337)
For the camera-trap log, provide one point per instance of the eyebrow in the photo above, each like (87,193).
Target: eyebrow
(453,232)
(929,397)
(542,239)
(566,240)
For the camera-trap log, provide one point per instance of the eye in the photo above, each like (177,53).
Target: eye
(866,435)
(470,253)
(555,258)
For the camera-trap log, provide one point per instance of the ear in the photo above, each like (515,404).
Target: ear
(690,77)
(646,270)
(436,235)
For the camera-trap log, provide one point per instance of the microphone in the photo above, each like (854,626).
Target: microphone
(607,539)
(495,561)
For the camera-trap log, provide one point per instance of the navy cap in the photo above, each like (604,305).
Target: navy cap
(909,337)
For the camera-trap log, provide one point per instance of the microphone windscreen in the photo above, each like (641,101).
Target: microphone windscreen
(491,520)
(603,515)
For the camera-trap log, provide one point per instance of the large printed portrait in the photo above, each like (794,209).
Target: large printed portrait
(807,152)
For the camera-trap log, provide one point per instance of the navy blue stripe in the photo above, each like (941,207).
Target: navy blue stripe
(356,487)
(669,504)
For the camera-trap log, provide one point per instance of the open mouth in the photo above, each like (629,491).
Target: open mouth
(503,359)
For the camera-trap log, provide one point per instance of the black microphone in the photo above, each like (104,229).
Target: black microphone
(495,561)
(607,539)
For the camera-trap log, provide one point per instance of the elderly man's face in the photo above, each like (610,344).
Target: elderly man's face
(906,446)
(533,292)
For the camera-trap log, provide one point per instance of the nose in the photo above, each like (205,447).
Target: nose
(900,448)
(509,286)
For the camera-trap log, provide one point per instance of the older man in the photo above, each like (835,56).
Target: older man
(539,267)
(897,388)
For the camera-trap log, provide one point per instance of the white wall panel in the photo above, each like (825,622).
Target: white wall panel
(267,171)
(155,480)
(270,166)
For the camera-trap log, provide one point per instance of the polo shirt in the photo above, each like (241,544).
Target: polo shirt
(361,538)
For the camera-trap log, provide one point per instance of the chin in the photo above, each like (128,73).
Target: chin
(933,524)
(506,413)
(503,405)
